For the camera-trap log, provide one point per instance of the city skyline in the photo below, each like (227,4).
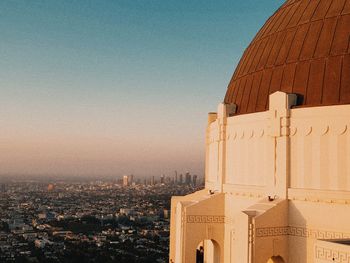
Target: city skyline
(86,221)
(113,88)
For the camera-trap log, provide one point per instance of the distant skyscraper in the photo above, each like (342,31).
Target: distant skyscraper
(153,181)
(125,180)
(167,180)
(194,180)
(175,178)
(180,179)
(187,178)
(162,179)
(131,179)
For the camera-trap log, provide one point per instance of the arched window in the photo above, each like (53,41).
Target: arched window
(208,251)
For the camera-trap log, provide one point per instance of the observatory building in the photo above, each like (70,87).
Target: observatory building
(277,172)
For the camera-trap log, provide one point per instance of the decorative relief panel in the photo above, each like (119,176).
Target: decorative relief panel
(331,255)
(245,134)
(305,129)
(299,232)
(316,234)
(205,219)
(272,231)
(209,219)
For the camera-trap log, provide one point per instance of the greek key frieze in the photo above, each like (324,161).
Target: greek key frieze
(316,233)
(332,255)
(272,231)
(205,219)
(300,232)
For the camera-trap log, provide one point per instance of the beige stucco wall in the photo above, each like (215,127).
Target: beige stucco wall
(320,148)
(247,145)
(300,157)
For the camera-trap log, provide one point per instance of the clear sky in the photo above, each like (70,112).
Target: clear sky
(104,87)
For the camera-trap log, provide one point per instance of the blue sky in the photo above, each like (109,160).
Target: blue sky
(113,87)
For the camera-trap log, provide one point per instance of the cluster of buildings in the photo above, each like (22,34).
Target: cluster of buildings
(62,221)
(176,179)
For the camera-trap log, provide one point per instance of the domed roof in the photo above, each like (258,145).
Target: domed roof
(304,49)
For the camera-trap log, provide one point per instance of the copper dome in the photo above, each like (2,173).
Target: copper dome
(304,49)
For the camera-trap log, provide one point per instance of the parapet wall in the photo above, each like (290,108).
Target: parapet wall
(309,147)
(320,148)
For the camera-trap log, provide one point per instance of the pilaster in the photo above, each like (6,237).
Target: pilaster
(279,130)
(224,111)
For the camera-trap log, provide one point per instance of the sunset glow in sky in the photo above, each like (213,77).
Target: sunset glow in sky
(112,87)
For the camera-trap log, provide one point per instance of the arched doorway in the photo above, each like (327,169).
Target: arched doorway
(208,251)
(276,259)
